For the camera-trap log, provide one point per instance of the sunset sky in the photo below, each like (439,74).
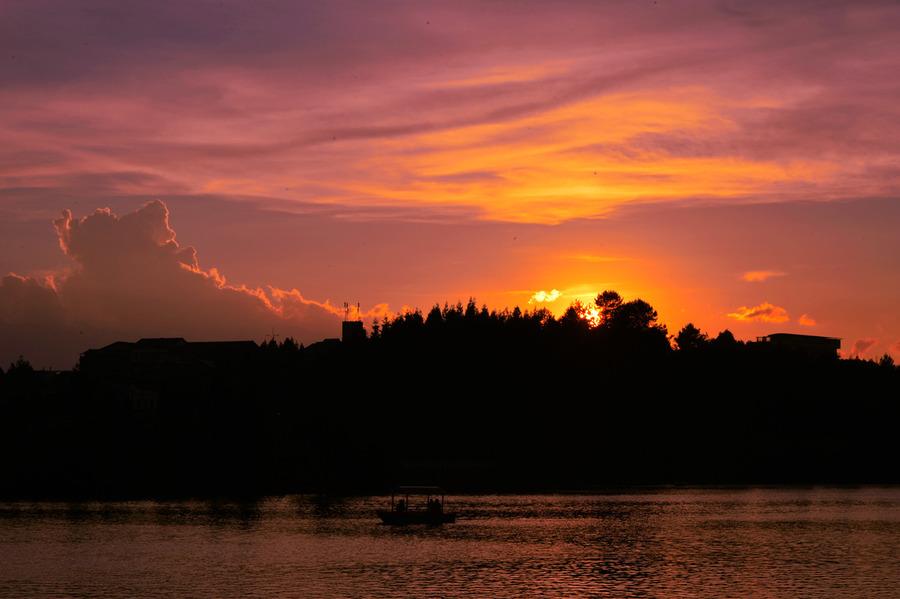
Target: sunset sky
(736,164)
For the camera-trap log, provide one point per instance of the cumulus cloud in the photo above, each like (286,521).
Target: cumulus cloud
(30,312)
(541,297)
(806,320)
(758,276)
(764,312)
(132,279)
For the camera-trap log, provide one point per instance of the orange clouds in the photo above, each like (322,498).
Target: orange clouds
(806,320)
(540,297)
(764,312)
(594,258)
(758,276)
(767,312)
(544,116)
(861,347)
(581,159)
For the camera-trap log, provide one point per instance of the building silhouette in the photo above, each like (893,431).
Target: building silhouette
(139,375)
(811,345)
(352,331)
(147,355)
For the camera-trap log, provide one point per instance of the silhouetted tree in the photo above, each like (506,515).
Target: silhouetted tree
(471,309)
(454,393)
(635,315)
(19,374)
(690,338)
(435,318)
(20,367)
(573,319)
(725,343)
(608,302)
(725,338)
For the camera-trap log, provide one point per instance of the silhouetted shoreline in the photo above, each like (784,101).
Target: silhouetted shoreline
(476,401)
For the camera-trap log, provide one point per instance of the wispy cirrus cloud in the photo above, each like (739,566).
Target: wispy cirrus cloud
(758,276)
(540,115)
(595,258)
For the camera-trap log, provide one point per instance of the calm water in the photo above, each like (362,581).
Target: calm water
(685,543)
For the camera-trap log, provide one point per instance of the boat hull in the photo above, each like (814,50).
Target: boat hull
(416,517)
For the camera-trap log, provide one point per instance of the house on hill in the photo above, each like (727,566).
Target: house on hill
(146,355)
(139,375)
(812,345)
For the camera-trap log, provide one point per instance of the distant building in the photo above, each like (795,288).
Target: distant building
(352,332)
(326,348)
(811,345)
(149,354)
(140,375)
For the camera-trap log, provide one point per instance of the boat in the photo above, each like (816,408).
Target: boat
(429,509)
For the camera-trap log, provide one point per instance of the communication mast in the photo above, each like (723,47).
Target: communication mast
(352,330)
(349,315)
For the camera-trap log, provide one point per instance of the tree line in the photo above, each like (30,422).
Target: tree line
(463,396)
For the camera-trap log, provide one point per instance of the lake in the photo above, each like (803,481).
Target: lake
(816,542)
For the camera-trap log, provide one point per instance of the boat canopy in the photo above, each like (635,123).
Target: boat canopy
(427,489)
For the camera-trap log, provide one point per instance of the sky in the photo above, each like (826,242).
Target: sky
(230,170)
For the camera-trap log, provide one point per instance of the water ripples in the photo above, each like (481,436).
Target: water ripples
(672,543)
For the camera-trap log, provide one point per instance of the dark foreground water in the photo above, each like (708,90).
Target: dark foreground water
(683,543)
